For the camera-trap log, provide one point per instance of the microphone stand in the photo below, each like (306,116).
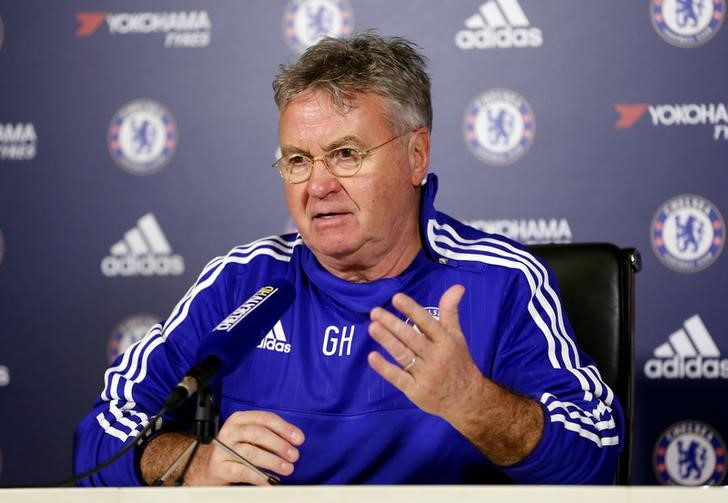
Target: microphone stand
(205,429)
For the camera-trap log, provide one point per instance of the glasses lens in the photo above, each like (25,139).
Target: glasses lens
(297,168)
(344,161)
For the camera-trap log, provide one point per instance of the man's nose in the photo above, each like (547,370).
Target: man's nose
(322,181)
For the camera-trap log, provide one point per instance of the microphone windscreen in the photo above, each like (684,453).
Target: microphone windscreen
(242,330)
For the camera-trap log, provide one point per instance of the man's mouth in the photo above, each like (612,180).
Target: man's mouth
(327,215)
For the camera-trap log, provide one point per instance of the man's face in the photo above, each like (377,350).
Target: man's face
(355,222)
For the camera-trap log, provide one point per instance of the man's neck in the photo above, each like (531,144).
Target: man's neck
(389,266)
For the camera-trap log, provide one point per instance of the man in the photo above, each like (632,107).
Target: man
(468,372)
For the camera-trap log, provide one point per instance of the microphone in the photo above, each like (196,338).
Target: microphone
(235,336)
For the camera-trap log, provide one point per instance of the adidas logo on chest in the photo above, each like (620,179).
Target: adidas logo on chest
(275,340)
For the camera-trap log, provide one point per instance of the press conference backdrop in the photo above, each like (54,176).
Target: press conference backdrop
(136,139)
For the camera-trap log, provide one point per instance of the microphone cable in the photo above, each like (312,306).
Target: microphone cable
(71,481)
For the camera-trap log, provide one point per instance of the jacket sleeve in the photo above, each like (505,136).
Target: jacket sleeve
(139,381)
(538,358)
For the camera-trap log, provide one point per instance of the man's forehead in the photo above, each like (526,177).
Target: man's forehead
(323,99)
(316,111)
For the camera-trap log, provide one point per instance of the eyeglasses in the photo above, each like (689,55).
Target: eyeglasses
(340,162)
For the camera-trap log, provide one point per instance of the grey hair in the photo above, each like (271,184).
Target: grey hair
(390,67)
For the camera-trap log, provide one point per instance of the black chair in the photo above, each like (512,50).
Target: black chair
(596,281)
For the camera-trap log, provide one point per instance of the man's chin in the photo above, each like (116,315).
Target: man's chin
(334,248)
(334,251)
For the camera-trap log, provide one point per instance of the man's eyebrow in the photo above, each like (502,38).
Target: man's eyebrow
(344,141)
(291,150)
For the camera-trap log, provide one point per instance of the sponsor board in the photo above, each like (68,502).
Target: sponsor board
(527,231)
(305,22)
(182,29)
(142,137)
(498,24)
(713,115)
(144,251)
(690,453)
(499,127)
(18,141)
(689,353)
(687,233)
(687,23)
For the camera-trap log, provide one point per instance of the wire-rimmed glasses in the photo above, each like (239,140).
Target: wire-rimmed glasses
(340,162)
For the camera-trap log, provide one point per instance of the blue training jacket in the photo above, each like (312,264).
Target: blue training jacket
(312,369)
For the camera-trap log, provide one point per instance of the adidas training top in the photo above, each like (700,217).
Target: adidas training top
(312,369)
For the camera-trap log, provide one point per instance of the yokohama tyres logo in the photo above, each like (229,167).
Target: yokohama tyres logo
(181,29)
(678,114)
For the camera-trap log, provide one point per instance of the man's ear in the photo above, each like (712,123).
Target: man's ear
(419,155)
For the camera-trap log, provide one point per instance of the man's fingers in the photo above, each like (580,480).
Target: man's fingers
(264,439)
(232,471)
(262,458)
(418,315)
(391,373)
(449,303)
(388,326)
(273,422)
(257,435)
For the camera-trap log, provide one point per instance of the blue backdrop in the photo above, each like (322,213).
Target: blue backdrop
(136,139)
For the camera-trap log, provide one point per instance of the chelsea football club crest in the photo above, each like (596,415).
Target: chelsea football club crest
(687,233)
(499,127)
(690,453)
(687,23)
(142,137)
(129,331)
(305,22)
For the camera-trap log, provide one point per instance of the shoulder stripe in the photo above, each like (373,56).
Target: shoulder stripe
(599,383)
(110,430)
(121,417)
(120,380)
(544,303)
(274,241)
(600,441)
(182,309)
(242,255)
(588,425)
(498,252)
(113,374)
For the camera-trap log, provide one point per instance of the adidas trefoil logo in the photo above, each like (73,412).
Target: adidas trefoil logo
(144,251)
(690,353)
(275,340)
(499,24)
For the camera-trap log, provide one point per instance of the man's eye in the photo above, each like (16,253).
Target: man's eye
(297,161)
(345,154)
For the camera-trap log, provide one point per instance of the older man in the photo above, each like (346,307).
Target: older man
(418,350)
